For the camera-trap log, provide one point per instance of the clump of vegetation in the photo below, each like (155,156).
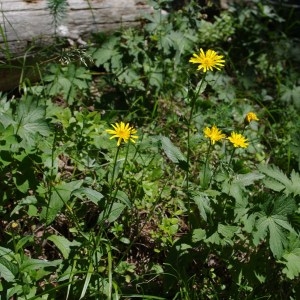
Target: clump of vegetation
(160,162)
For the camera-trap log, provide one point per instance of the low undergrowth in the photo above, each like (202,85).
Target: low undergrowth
(144,167)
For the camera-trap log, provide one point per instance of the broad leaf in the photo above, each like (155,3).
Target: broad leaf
(88,193)
(7,269)
(113,214)
(30,121)
(291,257)
(273,220)
(30,264)
(173,152)
(278,181)
(60,195)
(239,183)
(62,244)
(203,203)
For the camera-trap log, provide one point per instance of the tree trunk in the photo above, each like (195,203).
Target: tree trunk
(30,22)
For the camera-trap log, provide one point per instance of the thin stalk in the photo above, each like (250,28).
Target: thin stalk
(113,196)
(106,213)
(205,164)
(193,102)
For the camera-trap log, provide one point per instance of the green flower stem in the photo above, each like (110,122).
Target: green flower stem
(108,208)
(193,102)
(231,156)
(206,163)
(112,195)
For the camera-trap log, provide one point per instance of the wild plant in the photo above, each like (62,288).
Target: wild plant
(175,195)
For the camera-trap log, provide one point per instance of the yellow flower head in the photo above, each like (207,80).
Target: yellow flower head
(238,140)
(251,116)
(14,225)
(213,133)
(208,61)
(123,132)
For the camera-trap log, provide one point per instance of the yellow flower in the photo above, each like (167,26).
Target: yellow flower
(238,140)
(251,116)
(207,61)
(14,225)
(214,134)
(123,132)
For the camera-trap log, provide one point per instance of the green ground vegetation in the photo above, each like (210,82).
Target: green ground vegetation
(176,210)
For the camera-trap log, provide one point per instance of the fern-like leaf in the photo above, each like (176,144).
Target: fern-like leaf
(57,10)
(273,220)
(277,181)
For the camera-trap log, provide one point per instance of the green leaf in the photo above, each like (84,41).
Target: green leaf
(278,181)
(173,152)
(7,269)
(247,179)
(291,257)
(60,195)
(23,241)
(30,264)
(273,220)
(291,95)
(198,235)
(106,52)
(292,268)
(24,202)
(295,179)
(89,193)
(214,239)
(239,183)
(62,244)
(30,121)
(203,203)
(123,198)
(228,232)
(114,214)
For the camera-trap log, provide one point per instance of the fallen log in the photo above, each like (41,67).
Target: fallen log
(30,22)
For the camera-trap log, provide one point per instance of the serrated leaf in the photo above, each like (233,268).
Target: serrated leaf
(278,181)
(275,173)
(292,263)
(227,231)
(275,223)
(198,234)
(295,178)
(6,119)
(106,52)
(62,244)
(277,237)
(214,239)
(273,185)
(291,94)
(291,257)
(30,120)
(248,179)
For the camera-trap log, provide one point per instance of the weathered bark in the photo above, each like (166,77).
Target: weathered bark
(29,21)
